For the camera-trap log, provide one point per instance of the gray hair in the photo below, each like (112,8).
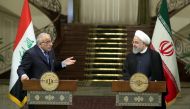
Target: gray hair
(39,37)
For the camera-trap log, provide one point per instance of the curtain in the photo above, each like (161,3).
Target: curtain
(143,12)
(122,12)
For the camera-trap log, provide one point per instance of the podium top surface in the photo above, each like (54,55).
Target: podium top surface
(154,86)
(64,85)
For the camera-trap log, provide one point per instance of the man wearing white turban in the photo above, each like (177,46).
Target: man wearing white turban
(140,42)
(144,60)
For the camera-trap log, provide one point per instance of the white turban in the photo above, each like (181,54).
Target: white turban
(142,36)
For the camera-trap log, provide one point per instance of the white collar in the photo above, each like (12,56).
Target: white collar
(144,50)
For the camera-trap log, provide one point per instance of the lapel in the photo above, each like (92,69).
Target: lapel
(41,55)
(51,58)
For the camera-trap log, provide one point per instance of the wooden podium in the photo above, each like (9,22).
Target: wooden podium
(57,99)
(148,99)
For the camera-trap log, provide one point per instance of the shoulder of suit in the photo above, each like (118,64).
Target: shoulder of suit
(154,53)
(130,55)
(31,50)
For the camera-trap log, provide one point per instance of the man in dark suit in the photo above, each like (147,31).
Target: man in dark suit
(144,60)
(40,59)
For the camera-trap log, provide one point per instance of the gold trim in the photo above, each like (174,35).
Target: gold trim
(103,69)
(97,80)
(107,39)
(109,48)
(104,75)
(173,100)
(111,58)
(109,34)
(119,28)
(16,101)
(104,64)
(104,53)
(107,43)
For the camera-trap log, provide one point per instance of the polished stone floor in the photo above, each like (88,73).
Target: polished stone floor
(183,101)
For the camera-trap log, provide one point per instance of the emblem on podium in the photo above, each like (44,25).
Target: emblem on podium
(49,81)
(138,82)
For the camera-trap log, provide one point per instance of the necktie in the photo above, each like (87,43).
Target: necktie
(47,56)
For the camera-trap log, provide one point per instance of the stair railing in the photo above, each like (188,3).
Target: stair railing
(182,46)
(174,6)
(53,6)
(7,50)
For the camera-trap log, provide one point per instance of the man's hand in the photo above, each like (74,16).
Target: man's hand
(69,61)
(24,77)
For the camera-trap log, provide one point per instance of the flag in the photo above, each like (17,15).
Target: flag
(24,40)
(163,43)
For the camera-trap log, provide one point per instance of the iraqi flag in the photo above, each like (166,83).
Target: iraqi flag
(24,40)
(162,42)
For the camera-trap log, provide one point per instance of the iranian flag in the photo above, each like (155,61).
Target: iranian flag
(24,40)
(162,42)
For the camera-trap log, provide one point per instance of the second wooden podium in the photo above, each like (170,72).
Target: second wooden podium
(126,97)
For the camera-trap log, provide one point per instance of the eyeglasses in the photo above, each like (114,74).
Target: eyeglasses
(47,42)
(136,42)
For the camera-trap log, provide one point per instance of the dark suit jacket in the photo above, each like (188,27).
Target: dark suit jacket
(130,66)
(156,69)
(34,63)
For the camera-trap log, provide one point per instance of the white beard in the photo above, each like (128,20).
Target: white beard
(136,50)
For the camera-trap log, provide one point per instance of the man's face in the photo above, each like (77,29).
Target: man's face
(138,45)
(46,43)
